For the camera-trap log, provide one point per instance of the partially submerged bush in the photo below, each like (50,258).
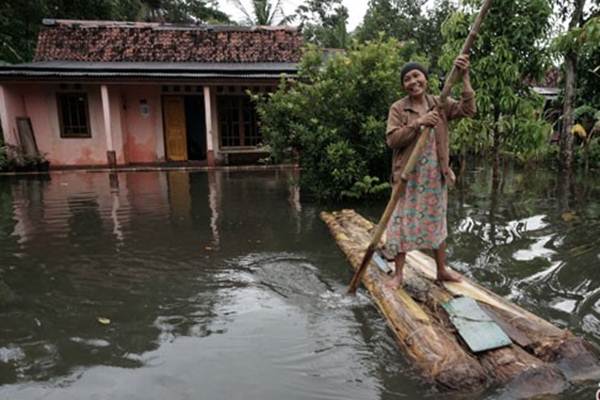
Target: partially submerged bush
(332,119)
(12,158)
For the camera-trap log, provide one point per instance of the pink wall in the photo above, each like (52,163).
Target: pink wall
(42,109)
(11,107)
(137,136)
(143,126)
(136,122)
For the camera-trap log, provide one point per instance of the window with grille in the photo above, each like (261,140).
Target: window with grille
(73,115)
(238,121)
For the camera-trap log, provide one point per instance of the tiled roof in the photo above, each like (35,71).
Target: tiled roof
(111,41)
(550,79)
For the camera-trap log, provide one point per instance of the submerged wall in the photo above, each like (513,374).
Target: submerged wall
(135,123)
(12,106)
(142,123)
(40,105)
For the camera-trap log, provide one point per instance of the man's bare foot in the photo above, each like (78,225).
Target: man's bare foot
(447,275)
(395,282)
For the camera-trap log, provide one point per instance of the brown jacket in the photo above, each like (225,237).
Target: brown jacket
(401,132)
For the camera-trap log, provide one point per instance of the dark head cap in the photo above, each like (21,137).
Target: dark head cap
(409,66)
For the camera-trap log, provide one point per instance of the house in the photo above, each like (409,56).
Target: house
(120,93)
(548,86)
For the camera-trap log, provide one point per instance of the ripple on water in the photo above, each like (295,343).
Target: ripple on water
(11,353)
(294,278)
(91,342)
(276,312)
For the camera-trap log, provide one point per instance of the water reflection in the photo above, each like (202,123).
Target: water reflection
(225,284)
(204,294)
(533,239)
(213,201)
(86,246)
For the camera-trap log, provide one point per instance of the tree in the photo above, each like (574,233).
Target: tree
(588,67)
(429,35)
(19,24)
(506,53)
(394,18)
(581,39)
(323,22)
(408,21)
(333,118)
(264,12)
(174,11)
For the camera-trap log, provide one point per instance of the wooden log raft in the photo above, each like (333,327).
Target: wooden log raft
(543,359)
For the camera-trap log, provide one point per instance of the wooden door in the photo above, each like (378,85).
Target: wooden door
(175,136)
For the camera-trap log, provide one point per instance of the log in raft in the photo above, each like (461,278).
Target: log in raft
(543,358)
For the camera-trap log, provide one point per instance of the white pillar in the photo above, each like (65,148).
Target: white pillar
(4,116)
(110,150)
(9,110)
(106,115)
(210,154)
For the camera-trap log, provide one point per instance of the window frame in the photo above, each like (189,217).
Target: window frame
(61,116)
(239,101)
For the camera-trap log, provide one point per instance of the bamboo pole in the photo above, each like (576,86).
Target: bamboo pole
(398,191)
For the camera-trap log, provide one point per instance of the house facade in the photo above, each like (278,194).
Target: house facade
(120,93)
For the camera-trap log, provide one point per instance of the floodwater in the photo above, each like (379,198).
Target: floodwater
(226,285)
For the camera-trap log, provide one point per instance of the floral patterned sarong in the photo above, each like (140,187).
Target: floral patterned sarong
(419,220)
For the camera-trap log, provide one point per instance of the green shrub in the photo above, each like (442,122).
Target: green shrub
(369,186)
(332,119)
(588,155)
(3,158)
(12,158)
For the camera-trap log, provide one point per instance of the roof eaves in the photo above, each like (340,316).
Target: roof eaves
(58,68)
(136,75)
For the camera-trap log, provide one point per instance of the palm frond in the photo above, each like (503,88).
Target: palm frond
(238,4)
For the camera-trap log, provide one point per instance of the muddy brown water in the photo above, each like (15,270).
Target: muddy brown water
(226,285)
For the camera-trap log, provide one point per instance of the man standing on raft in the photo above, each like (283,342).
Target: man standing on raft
(419,220)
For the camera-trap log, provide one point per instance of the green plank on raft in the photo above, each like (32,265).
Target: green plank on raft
(479,331)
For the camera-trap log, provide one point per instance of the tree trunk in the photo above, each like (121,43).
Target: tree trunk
(463,161)
(496,152)
(563,192)
(566,138)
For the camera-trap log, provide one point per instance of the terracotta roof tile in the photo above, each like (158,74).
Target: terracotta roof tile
(550,79)
(110,41)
